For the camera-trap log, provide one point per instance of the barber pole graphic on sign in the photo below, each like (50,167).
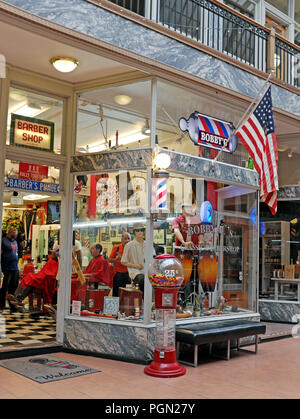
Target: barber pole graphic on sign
(210,132)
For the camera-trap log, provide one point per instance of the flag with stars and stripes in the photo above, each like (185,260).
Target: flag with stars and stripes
(257,135)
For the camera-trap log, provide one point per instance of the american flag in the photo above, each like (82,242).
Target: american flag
(258,137)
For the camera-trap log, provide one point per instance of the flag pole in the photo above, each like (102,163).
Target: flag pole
(245,114)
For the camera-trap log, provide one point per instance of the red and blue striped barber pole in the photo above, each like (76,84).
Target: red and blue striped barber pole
(160,190)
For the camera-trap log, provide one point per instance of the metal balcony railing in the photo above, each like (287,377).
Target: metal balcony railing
(136,6)
(287,62)
(224,30)
(216,27)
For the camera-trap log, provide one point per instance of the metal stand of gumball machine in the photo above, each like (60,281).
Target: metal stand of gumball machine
(166,274)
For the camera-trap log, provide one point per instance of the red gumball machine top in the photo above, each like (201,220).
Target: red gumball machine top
(166,271)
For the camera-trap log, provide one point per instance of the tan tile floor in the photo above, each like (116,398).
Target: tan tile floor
(273,373)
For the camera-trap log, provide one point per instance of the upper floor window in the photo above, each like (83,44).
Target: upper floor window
(282,5)
(243,6)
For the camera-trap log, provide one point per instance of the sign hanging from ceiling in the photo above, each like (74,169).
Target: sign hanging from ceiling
(209,132)
(32,185)
(31,132)
(32,171)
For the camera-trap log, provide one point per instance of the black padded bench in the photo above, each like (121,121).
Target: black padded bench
(217,331)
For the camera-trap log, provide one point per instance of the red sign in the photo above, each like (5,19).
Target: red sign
(33,171)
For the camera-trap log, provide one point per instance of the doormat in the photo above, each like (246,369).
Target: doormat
(46,368)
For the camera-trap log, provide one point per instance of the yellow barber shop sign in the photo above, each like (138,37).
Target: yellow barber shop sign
(31,132)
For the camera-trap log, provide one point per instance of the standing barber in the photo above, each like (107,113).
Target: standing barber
(9,267)
(134,256)
(121,277)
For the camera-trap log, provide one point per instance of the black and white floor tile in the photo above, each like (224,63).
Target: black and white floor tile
(19,330)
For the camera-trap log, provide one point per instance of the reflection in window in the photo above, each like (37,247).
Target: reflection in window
(114,118)
(212,238)
(29,104)
(176,136)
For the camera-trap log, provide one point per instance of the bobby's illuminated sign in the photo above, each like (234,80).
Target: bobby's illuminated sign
(206,212)
(31,132)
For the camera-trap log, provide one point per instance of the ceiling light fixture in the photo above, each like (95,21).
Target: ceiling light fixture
(123,99)
(64,64)
(290,154)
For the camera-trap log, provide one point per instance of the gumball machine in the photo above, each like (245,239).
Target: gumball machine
(166,275)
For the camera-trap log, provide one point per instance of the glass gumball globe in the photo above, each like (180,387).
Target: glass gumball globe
(166,271)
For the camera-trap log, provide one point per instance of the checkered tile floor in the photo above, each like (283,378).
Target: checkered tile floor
(19,330)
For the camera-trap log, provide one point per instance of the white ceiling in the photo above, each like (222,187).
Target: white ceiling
(33,52)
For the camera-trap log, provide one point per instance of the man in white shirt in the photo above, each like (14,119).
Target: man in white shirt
(134,256)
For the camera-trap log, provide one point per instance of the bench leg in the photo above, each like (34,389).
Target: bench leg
(193,364)
(227,357)
(248,350)
(228,350)
(195,355)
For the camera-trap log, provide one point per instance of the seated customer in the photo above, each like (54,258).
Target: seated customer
(99,267)
(44,280)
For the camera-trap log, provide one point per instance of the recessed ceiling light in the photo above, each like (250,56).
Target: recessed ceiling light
(34,197)
(64,64)
(123,99)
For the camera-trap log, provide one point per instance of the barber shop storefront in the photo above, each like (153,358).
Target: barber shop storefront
(107,169)
(126,199)
(154,195)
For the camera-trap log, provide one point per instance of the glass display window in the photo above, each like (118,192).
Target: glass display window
(32,205)
(110,213)
(209,227)
(34,120)
(190,123)
(114,118)
(280,252)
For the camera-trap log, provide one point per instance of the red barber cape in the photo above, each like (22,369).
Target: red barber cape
(45,280)
(101,269)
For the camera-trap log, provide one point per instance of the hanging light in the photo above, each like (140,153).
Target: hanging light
(162,160)
(64,64)
(146,129)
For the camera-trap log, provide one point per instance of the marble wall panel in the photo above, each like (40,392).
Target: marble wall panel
(180,163)
(289,192)
(116,341)
(90,19)
(279,311)
(125,159)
